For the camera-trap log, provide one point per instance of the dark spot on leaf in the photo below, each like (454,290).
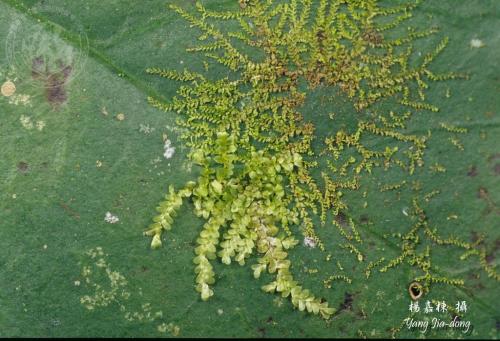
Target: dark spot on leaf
(478,286)
(372,36)
(472,171)
(270,319)
(320,35)
(416,290)
(22,167)
(347,304)
(494,157)
(262,331)
(144,268)
(341,219)
(364,219)
(497,244)
(482,193)
(54,81)
(490,258)
(65,70)
(474,236)
(496,169)
(492,206)
(55,92)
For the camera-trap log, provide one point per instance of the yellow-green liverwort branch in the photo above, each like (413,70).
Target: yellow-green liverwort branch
(167,209)
(248,208)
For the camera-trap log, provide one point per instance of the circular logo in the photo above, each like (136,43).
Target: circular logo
(43,52)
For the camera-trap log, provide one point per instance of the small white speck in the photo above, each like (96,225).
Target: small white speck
(309,242)
(476,43)
(169,150)
(404,212)
(45,246)
(220,311)
(77,283)
(109,218)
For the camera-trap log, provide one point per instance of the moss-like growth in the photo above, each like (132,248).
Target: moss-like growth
(253,145)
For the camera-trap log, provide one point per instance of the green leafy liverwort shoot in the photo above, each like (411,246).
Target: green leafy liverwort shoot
(254,146)
(243,200)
